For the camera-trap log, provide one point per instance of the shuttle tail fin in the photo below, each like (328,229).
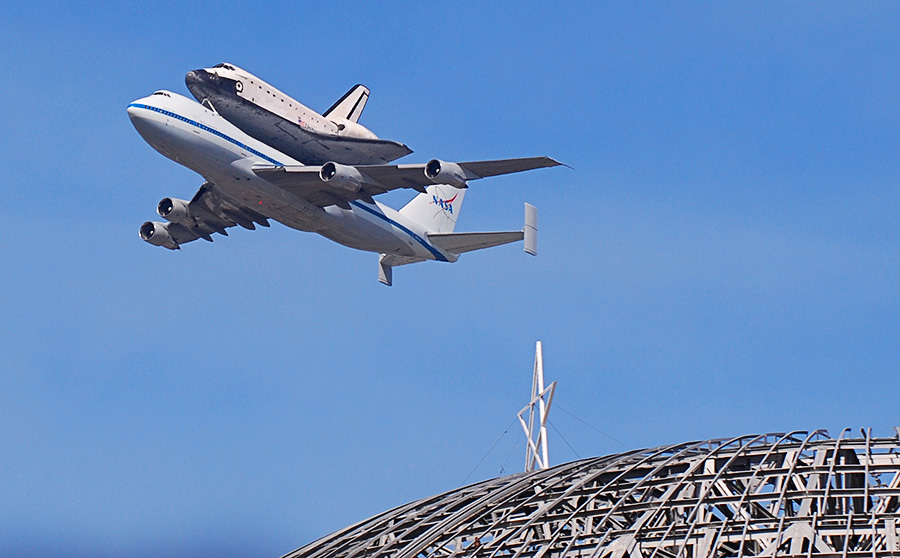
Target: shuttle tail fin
(351,105)
(437,209)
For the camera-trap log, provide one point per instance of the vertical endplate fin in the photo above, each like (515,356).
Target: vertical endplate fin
(530,229)
(385,271)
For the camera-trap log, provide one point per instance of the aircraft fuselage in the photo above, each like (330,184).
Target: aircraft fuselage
(203,141)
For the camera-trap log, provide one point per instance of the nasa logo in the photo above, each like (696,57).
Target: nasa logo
(446,205)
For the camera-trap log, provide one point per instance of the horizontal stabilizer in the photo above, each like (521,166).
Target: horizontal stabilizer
(459,243)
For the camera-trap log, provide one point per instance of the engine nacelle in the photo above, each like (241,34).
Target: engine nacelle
(342,176)
(157,234)
(176,211)
(441,172)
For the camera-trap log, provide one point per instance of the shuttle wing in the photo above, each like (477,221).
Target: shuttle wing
(346,183)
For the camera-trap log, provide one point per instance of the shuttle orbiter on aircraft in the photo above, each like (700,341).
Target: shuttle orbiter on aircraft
(276,119)
(248,182)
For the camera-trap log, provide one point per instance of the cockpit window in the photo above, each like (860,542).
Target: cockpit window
(226,66)
(163,93)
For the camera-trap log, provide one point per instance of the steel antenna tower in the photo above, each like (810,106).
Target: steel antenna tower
(541,399)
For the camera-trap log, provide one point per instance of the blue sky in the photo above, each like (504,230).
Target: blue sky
(721,260)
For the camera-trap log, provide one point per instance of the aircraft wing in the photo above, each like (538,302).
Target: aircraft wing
(335,184)
(210,213)
(304,181)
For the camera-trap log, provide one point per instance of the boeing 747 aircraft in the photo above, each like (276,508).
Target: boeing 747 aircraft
(248,182)
(278,120)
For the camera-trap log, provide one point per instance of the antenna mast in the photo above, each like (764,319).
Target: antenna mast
(536,451)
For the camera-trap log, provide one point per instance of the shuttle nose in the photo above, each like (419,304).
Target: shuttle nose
(192,77)
(199,82)
(199,77)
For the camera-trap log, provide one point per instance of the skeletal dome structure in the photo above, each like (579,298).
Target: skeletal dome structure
(796,494)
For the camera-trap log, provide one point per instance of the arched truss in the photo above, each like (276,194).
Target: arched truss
(796,494)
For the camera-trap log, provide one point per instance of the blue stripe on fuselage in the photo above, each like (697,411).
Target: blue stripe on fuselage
(207,129)
(437,255)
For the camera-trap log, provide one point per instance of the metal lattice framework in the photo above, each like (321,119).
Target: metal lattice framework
(796,494)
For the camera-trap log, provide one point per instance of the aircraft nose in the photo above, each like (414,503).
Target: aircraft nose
(192,77)
(198,77)
(139,114)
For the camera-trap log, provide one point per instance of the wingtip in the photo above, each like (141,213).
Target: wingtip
(556,163)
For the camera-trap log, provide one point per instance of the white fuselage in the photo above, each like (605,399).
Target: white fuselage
(196,137)
(264,95)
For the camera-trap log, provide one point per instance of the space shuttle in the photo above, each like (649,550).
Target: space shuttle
(278,120)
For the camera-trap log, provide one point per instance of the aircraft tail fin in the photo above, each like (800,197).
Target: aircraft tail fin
(437,209)
(351,105)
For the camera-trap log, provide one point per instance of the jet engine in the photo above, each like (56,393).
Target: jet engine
(176,211)
(342,176)
(157,234)
(441,172)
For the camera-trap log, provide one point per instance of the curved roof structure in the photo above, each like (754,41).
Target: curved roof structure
(796,494)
